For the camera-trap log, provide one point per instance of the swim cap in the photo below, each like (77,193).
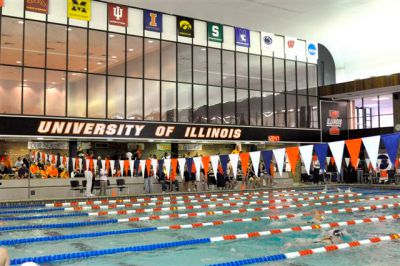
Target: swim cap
(337,232)
(30,263)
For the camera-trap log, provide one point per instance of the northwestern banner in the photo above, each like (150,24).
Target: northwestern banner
(39,6)
(215,32)
(106,129)
(242,37)
(185,27)
(333,120)
(117,15)
(79,9)
(152,21)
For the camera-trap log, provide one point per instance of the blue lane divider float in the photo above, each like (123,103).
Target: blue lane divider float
(103,252)
(22,206)
(19,241)
(59,225)
(270,258)
(25,218)
(31,211)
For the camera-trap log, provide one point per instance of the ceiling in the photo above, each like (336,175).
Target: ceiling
(359,33)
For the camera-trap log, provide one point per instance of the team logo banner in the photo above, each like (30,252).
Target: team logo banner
(215,32)
(39,6)
(312,49)
(152,21)
(267,41)
(333,120)
(185,27)
(1,3)
(242,37)
(117,15)
(79,9)
(290,45)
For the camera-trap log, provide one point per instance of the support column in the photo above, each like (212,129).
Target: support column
(174,150)
(72,153)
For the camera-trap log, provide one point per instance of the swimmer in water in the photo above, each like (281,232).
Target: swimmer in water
(333,237)
(4,258)
(317,217)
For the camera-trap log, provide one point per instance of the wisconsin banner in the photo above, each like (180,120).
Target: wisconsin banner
(79,9)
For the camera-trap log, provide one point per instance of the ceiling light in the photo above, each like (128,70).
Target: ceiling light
(99,63)
(62,78)
(85,69)
(40,138)
(151,140)
(73,74)
(20,22)
(130,50)
(150,41)
(111,35)
(18,62)
(69,29)
(25,80)
(114,57)
(203,49)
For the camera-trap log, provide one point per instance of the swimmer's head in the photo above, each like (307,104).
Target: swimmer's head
(337,233)
(30,263)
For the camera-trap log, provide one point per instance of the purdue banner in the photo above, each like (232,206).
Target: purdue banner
(105,129)
(79,9)
(333,120)
(39,6)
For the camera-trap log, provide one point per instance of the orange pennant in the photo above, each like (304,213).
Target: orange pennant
(244,157)
(206,162)
(148,166)
(64,161)
(77,163)
(293,157)
(174,165)
(126,167)
(353,146)
(91,165)
(107,165)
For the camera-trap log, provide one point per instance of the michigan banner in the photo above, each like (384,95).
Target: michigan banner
(79,9)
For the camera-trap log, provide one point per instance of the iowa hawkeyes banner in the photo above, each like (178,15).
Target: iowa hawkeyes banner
(185,27)
(79,9)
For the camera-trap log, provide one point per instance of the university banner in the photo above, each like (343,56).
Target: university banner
(185,26)
(1,3)
(39,6)
(79,9)
(242,37)
(152,21)
(267,41)
(312,50)
(117,15)
(333,120)
(215,32)
(290,45)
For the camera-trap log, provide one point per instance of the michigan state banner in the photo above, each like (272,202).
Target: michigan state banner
(215,32)
(79,9)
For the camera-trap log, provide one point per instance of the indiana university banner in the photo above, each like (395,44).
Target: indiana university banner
(79,9)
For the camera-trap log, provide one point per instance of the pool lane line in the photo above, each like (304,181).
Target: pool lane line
(143,248)
(177,208)
(6,206)
(213,223)
(213,213)
(163,198)
(307,252)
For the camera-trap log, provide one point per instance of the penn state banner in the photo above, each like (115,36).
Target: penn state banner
(333,120)
(79,9)
(185,27)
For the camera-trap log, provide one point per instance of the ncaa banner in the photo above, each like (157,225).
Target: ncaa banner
(39,6)
(242,37)
(79,9)
(312,50)
(290,45)
(185,27)
(267,41)
(152,21)
(215,32)
(117,15)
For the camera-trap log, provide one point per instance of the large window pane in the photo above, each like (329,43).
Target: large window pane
(134,57)
(199,65)
(242,65)
(386,120)
(302,111)
(116,54)
(313,109)
(214,67)
(242,107)
(229,106)
(268,109)
(312,79)
(33,91)
(151,100)
(291,110)
(134,97)
(55,93)
(371,106)
(116,98)
(280,110)
(97,51)
(386,104)
(200,104)
(56,46)
(97,96)
(301,78)
(76,95)
(168,101)
(255,72)
(214,101)
(152,58)
(11,41)
(228,68)
(279,75)
(255,108)
(267,74)
(184,63)
(184,102)
(291,76)
(168,67)
(10,90)
(34,43)
(77,45)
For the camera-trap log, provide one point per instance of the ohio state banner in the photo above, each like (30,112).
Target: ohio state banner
(79,9)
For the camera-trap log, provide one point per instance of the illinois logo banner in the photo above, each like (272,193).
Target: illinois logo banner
(185,27)
(79,9)
(152,21)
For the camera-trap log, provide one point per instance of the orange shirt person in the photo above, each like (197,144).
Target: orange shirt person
(34,168)
(52,171)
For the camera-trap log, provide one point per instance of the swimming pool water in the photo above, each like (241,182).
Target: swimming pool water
(223,251)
